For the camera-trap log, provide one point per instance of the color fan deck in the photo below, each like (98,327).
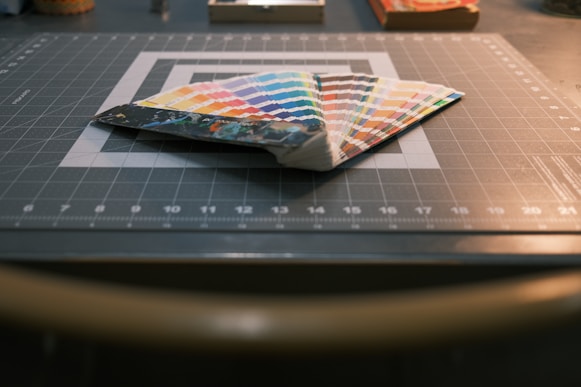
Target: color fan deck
(309,121)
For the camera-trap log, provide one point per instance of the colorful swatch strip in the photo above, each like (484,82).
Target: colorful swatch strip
(424,5)
(279,96)
(355,111)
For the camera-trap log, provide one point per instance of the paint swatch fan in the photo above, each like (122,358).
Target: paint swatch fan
(306,120)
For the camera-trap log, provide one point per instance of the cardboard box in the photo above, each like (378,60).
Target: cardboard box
(265,11)
(392,17)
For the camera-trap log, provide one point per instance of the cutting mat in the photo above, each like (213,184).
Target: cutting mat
(507,157)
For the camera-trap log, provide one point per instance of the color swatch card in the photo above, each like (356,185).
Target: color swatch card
(425,5)
(306,120)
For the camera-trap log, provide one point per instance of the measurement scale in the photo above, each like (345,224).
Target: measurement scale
(506,158)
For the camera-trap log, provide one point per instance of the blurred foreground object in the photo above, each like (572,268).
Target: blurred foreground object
(245,323)
(267,11)
(63,7)
(426,14)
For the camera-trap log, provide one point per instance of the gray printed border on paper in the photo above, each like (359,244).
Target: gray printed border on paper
(416,151)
